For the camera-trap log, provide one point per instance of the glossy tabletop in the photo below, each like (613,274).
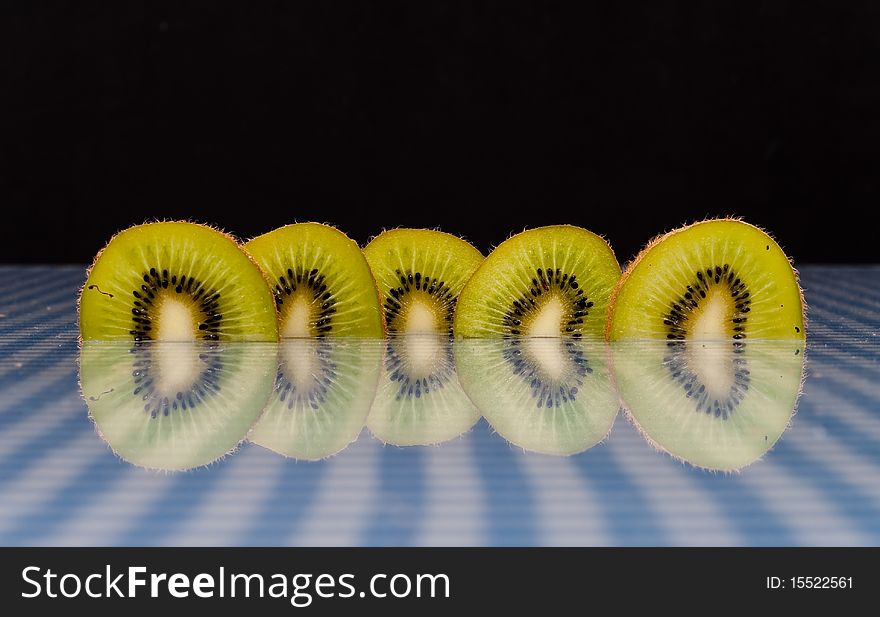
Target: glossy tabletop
(61,483)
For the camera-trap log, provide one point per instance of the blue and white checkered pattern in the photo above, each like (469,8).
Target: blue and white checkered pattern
(61,485)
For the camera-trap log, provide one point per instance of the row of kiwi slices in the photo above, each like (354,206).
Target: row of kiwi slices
(719,282)
(181,405)
(719,279)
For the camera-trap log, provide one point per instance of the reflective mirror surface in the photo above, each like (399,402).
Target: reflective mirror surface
(416,441)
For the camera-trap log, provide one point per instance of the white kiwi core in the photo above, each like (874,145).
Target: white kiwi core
(548,318)
(176,321)
(711,319)
(424,355)
(712,365)
(421,318)
(177,366)
(298,320)
(301,364)
(548,356)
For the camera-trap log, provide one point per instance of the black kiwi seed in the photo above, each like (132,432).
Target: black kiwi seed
(156,404)
(409,387)
(548,395)
(315,285)
(316,394)
(206,300)
(676,318)
(410,281)
(545,281)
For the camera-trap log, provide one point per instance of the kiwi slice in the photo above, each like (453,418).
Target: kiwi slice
(175,405)
(420,400)
(550,281)
(175,282)
(420,274)
(719,279)
(548,395)
(322,395)
(321,281)
(710,403)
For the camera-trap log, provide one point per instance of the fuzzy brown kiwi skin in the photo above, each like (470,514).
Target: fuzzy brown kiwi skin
(223,232)
(660,237)
(333,227)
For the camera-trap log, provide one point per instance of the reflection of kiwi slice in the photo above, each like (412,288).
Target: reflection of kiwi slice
(546,395)
(322,395)
(420,274)
(321,281)
(175,281)
(711,403)
(420,400)
(720,279)
(549,281)
(175,405)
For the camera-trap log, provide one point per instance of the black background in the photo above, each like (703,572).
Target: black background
(481,118)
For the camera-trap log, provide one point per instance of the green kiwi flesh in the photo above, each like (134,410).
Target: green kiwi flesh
(175,405)
(713,404)
(420,400)
(322,395)
(175,281)
(321,282)
(549,395)
(714,280)
(420,274)
(550,281)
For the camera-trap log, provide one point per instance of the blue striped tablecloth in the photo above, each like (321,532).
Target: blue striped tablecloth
(61,485)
